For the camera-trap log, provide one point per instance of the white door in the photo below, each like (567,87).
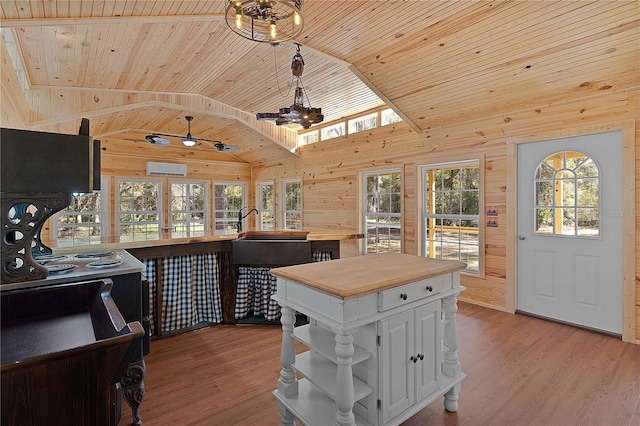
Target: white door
(570,230)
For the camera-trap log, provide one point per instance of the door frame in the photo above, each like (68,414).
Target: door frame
(627,127)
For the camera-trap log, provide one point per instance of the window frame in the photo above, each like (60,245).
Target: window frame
(232,218)
(103,215)
(262,210)
(557,206)
(423,169)
(285,211)
(159,211)
(188,212)
(363,205)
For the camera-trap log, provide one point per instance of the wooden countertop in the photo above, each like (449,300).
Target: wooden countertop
(355,276)
(311,236)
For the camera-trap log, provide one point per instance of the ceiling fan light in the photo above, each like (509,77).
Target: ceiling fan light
(273,31)
(297,19)
(238,17)
(188,142)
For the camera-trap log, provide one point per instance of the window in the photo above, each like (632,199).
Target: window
(363,123)
(292,204)
(139,210)
(451,213)
(567,195)
(382,212)
(228,200)
(188,201)
(266,206)
(333,131)
(389,116)
(307,138)
(83,221)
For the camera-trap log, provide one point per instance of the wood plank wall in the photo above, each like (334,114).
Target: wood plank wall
(329,172)
(330,169)
(14,112)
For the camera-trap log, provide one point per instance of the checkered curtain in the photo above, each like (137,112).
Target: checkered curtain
(190,291)
(150,274)
(255,287)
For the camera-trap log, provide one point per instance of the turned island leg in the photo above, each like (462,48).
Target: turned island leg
(344,380)
(451,365)
(287,383)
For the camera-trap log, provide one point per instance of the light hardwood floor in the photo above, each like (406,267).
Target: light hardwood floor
(520,371)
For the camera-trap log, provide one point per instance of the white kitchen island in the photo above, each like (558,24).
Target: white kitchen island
(381,336)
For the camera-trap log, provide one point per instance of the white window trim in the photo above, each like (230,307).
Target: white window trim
(479,162)
(160,207)
(284,202)
(205,184)
(363,202)
(213,204)
(259,202)
(104,213)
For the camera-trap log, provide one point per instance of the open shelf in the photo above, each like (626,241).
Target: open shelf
(324,343)
(321,412)
(323,373)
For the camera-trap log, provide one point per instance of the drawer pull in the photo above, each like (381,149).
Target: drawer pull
(429,288)
(403,296)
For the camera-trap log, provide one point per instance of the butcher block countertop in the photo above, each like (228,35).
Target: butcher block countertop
(311,236)
(355,276)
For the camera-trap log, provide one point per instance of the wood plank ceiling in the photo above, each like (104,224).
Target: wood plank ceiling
(134,67)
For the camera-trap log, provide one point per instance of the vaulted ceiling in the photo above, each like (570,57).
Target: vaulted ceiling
(135,67)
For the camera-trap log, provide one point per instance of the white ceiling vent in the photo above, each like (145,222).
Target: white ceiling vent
(166,169)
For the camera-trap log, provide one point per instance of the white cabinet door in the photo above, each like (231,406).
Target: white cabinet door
(428,326)
(397,389)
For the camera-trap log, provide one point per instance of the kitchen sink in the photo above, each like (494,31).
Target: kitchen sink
(271,248)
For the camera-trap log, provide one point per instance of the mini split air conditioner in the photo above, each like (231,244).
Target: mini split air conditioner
(166,169)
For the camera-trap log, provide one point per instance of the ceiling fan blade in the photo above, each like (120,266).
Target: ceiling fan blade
(156,139)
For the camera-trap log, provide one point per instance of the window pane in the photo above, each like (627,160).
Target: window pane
(333,131)
(570,190)
(382,216)
(448,234)
(139,214)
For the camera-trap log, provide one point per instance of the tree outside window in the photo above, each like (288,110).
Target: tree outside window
(567,191)
(292,204)
(139,210)
(228,200)
(382,216)
(188,215)
(451,213)
(82,222)
(266,206)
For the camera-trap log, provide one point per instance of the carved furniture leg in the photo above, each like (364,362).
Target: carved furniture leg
(287,383)
(133,389)
(344,380)
(451,366)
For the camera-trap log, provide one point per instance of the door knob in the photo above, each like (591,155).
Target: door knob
(522,237)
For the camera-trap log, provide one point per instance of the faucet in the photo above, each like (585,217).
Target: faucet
(240,217)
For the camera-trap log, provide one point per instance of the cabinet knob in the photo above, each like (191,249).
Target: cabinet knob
(414,359)
(429,288)
(403,296)
(421,356)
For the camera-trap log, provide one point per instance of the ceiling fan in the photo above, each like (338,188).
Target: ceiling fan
(188,140)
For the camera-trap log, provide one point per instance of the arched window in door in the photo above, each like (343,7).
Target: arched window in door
(567,195)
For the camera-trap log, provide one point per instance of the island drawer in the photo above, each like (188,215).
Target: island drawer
(402,295)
